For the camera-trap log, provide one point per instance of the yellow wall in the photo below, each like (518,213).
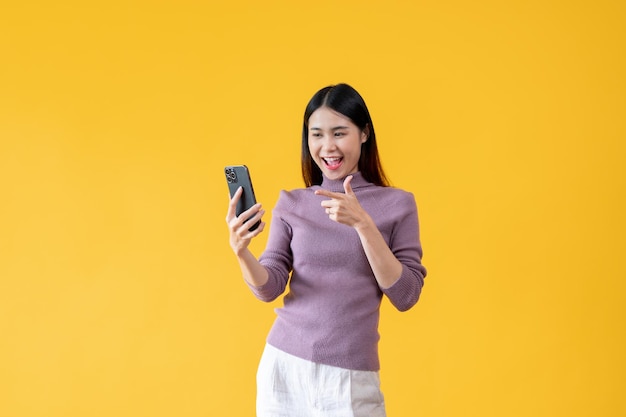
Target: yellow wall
(119,295)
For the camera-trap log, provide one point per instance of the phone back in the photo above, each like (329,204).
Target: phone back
(239,176)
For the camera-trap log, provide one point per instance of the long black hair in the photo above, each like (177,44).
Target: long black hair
(345,100)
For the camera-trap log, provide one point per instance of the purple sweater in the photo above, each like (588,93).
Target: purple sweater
(331,312)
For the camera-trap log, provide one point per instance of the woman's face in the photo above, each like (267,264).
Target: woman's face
(335,143)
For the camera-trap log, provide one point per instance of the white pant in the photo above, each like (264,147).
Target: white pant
(288,386)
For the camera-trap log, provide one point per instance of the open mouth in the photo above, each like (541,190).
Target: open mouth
(332,162)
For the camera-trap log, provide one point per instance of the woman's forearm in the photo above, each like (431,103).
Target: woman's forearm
(385,266)
(253,272)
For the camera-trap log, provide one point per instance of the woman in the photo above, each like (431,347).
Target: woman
(340,244)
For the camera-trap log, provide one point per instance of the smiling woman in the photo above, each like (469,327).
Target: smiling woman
(119,294)
(339,109)
(335,143)
(322,352)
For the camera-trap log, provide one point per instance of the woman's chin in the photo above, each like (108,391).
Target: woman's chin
(333,174)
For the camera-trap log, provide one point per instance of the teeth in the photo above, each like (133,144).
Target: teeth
(334,159)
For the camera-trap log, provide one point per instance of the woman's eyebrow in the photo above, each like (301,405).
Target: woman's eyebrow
(332,128)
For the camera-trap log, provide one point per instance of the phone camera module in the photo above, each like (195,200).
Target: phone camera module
(231,176)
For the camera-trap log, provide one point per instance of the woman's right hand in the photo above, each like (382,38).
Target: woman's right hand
(239,226)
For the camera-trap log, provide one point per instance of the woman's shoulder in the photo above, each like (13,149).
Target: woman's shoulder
(397,194)
(297,193)
(389,201)
(291,198)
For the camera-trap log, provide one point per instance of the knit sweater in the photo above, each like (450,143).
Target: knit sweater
(331,312)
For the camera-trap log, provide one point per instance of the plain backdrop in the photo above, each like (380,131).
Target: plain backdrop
(119,294)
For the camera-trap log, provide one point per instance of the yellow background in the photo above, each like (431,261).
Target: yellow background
(119,295)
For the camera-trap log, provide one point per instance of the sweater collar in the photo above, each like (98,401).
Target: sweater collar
(336,186)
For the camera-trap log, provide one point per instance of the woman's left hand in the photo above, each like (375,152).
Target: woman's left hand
(344,208)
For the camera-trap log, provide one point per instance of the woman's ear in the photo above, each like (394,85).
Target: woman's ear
(365,133)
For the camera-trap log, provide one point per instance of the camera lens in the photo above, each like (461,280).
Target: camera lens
(231,176)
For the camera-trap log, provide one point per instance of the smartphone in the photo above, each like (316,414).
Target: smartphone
(239,176)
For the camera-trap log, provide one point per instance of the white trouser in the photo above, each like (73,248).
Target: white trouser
(288,386)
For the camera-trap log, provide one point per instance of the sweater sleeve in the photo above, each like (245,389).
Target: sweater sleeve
(405,245)
(277,257)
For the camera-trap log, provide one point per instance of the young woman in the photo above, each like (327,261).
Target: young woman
(339,244)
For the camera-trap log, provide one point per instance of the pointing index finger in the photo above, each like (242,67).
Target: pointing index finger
(326,193)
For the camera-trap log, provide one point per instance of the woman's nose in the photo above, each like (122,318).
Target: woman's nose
(328,143)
